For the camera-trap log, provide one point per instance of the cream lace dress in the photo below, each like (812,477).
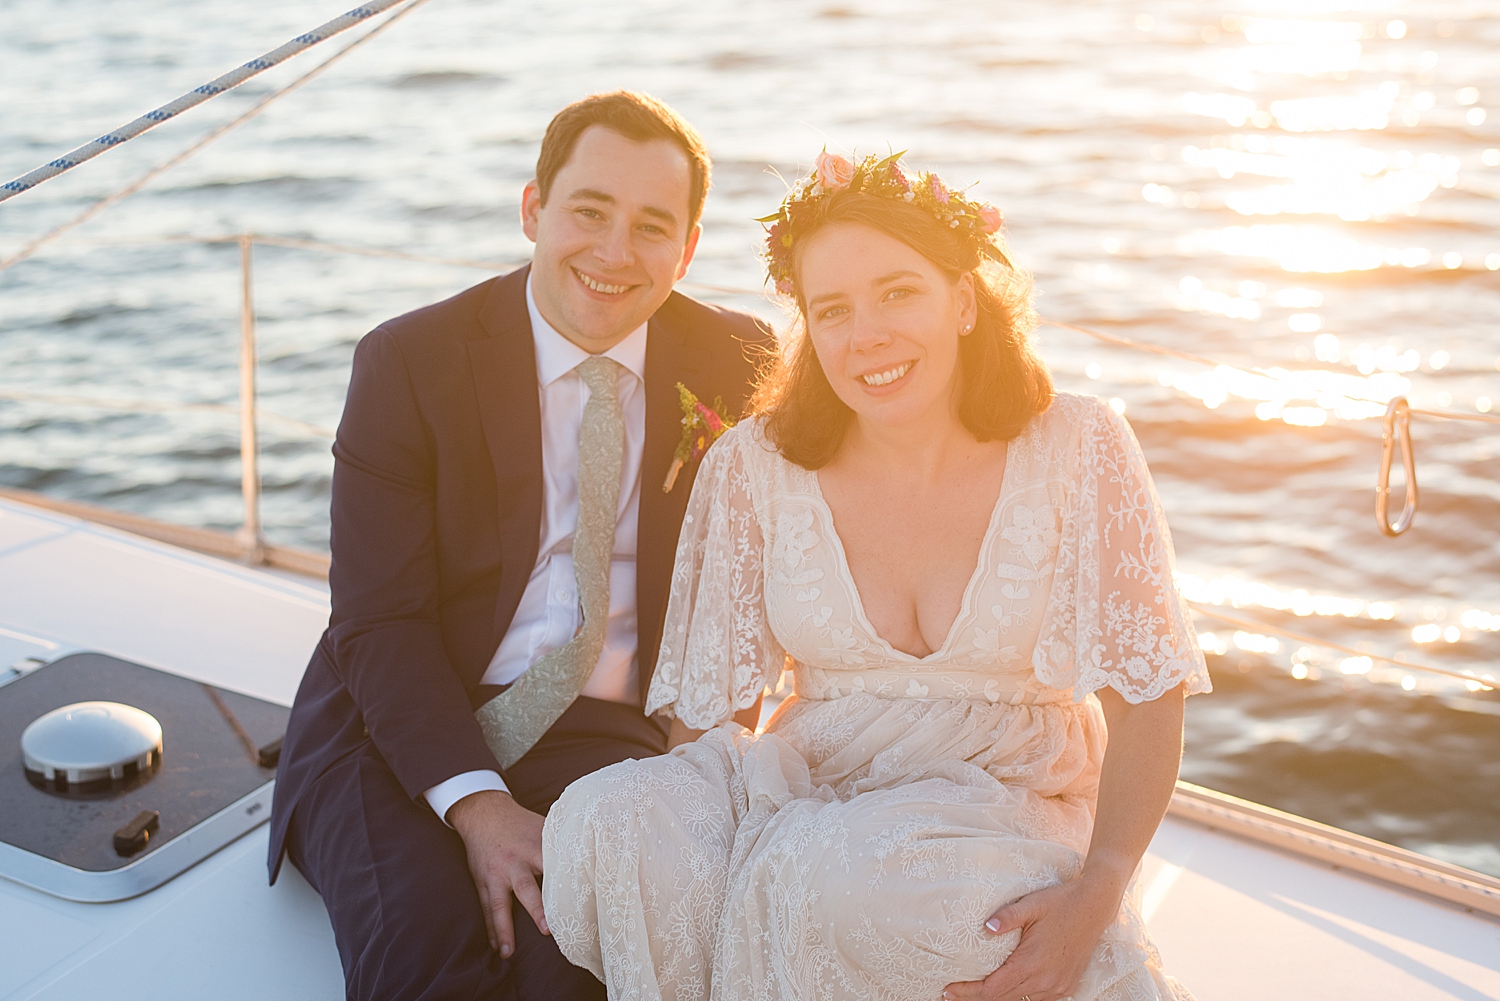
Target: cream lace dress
(855,849)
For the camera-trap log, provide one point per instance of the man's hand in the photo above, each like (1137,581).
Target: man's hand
(1060,926)
(504,843)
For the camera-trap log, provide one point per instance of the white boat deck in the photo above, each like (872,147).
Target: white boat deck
(1235,921)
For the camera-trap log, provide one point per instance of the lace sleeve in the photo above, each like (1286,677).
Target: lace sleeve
(717,650)
(1116,618)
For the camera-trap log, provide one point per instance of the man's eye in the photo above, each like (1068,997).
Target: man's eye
(654,230)
(590,213)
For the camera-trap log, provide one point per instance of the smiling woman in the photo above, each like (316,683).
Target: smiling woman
(972,583)
(1002,380)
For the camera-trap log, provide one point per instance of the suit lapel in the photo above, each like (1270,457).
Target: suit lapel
(670,358)
(504,369)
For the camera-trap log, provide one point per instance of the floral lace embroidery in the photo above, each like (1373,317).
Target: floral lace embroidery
(744,868)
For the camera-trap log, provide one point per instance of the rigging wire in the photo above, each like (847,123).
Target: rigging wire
(140,182)
(193,98)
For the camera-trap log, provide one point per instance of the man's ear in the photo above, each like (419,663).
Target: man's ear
(688,252)
(531,205)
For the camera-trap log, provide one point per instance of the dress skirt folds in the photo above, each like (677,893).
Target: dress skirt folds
(855,849)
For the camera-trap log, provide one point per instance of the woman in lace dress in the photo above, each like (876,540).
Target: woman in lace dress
(971,581)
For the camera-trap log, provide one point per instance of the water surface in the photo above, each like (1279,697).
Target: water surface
(1308,193)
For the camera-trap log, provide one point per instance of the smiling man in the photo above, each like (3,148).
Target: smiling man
(503,541)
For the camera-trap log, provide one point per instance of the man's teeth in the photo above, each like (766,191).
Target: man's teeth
(887,377)
(600,286)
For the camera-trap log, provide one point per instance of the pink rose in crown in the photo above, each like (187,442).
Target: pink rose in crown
(992,218)
(939,191)
(785,287)
(834,172)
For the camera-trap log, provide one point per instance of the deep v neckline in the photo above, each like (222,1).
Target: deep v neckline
(965,603)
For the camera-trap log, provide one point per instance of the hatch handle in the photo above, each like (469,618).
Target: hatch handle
(133,836)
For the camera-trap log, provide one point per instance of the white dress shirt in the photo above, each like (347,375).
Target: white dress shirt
(549,613)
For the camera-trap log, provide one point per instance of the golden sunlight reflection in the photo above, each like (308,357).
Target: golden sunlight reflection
(1240,593)
(1329,177)
(1386,358)
(1237,67)
(1310,662)
(1262,30)
(1192,296)
(1289,46)
(1303,249)
(1305,398)
(1365,111)
(1483,621)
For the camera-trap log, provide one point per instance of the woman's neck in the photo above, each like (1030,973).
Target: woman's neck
(920,449)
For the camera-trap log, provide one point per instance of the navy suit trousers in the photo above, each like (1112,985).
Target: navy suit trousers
(395,879)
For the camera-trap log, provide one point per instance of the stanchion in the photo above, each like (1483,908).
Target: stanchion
(251,539)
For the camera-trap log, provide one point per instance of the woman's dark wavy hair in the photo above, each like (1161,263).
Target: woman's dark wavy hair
(1003,381)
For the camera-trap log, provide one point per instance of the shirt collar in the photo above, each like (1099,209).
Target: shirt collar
(556,356)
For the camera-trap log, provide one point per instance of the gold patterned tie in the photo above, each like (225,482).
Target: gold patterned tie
(515,720)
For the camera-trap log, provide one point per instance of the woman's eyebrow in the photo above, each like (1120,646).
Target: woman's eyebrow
(825,298)
(894,276)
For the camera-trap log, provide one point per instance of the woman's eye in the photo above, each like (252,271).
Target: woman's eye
(898,293)
(832,313)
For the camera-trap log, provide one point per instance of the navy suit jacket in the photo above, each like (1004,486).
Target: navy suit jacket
(436,519)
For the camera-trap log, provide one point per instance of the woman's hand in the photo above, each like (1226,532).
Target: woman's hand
(1060,926)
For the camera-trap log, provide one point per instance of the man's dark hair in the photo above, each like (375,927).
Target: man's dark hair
(639,118)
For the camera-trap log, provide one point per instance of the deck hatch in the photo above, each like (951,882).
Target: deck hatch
(206,788)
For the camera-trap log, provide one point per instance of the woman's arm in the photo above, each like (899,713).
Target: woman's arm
(748,718)
(1061,925)
(1136,782)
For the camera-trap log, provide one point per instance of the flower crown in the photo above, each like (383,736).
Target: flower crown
(884,179)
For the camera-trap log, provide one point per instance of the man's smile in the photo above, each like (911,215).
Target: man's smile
(594,285)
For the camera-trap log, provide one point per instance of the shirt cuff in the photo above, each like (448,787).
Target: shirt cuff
(442,796)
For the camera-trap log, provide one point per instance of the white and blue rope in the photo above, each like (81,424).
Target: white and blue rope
(195,97)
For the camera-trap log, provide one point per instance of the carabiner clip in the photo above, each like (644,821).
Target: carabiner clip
(1397,418)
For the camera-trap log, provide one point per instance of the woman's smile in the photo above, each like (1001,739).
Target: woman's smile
(887,377)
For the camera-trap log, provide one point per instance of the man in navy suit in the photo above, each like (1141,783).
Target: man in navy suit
(455,501)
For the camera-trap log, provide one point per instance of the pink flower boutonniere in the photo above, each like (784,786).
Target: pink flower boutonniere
(701,427)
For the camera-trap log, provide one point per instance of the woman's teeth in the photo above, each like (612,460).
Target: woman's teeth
(600,286)
(888,376)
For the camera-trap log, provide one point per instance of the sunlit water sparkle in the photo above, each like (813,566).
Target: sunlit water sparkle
(1306,193)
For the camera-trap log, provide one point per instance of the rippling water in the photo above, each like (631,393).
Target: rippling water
(1307,193)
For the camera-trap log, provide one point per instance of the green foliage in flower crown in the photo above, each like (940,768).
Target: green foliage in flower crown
(883,178)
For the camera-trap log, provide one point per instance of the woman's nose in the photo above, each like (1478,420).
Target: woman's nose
(869,334)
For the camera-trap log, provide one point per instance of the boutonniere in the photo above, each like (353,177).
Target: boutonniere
(701,427)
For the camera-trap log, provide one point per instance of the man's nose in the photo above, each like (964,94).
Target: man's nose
(613,250)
